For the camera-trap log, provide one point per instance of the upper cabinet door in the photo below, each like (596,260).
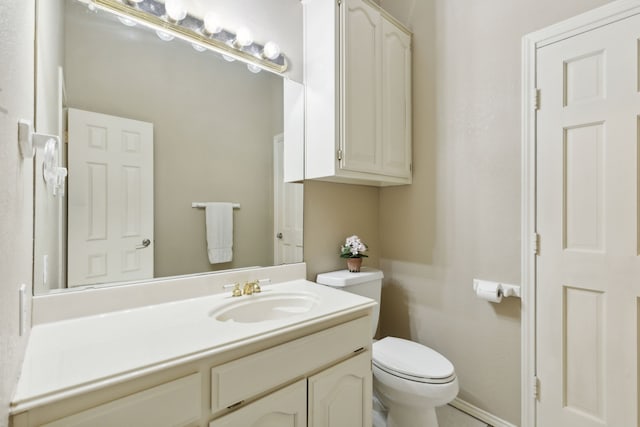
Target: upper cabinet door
(396,101)
(357,94)
(361,87)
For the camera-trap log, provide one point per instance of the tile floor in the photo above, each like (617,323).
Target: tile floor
(448,416)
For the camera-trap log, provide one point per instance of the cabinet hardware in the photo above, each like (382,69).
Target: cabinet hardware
(235,405)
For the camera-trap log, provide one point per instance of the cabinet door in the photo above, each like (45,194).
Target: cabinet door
(284,408)
(396,101)
(341,396)
(361,88)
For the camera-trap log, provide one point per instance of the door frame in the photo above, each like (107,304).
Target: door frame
(588,21)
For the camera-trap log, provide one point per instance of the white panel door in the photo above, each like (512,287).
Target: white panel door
(288,208)
(361,100)
(110,199)
(396,101)
(588,270)
(341,395)
(284,408)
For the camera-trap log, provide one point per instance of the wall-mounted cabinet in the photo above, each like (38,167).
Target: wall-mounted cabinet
(358,94)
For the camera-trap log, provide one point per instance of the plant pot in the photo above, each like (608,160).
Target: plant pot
(354,264)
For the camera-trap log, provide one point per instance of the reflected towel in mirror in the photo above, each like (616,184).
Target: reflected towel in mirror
(219,226)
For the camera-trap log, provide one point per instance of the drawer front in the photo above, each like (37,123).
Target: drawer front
(176,403)
(244,378)
(284,408)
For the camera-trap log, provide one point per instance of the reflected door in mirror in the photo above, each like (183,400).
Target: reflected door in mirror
(110,199)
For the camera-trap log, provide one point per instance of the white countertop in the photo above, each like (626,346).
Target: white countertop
(69,357)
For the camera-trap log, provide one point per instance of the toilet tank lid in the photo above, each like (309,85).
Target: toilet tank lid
(344,278)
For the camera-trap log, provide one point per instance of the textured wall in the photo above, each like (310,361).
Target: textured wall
(333,212)
(461,217)
(16,191)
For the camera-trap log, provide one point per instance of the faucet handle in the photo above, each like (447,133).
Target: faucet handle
(256,287)
(236,289)
(248,288)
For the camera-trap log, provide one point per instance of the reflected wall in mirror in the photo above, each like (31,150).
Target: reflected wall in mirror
(212,136)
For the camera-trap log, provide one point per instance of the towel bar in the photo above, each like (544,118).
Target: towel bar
(202,205)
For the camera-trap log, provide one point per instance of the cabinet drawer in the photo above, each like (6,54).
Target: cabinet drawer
(241,379)
(176,403)
(284,408)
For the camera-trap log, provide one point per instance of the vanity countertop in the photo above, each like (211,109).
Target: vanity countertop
(70,357)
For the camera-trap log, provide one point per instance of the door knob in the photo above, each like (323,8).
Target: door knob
(279,235)
(145,243)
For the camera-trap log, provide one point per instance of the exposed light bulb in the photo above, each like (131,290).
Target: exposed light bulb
(244,37)
(212,23)
(228,58)
(254,68)
(126,21)
(164,36)
(198,47)
(175,10)
(271,50)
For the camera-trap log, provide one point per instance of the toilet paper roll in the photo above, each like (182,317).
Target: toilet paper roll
(489,291)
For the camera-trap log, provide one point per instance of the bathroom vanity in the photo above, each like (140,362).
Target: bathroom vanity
(295,354)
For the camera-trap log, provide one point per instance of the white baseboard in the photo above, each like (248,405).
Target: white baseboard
(480,414)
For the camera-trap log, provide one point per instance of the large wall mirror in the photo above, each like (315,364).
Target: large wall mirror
(208,130)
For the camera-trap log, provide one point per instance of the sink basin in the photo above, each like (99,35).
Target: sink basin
(264,307)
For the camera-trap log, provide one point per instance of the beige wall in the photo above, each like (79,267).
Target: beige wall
(214,124)
(16,191)
(461,217)
(332,212)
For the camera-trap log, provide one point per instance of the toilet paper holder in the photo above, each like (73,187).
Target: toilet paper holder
(503,289)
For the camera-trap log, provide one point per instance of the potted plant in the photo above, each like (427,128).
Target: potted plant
(353,250)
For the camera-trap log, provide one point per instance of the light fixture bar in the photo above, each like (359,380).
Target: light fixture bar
(151,13)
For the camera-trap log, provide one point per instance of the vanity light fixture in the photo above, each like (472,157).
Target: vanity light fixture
(243,38)
(198,48)
(271,50)
(126,21)
(171,19)
(253,68)
(211,24)
(175,10)
(164,36)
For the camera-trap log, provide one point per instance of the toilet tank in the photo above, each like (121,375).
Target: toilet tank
(368,283)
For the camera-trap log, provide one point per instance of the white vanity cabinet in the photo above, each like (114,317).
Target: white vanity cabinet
(268,382)
(358,94)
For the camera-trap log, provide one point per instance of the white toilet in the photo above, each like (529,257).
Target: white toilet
(409,379)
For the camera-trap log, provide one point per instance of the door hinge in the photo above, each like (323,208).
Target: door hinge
(535,389)
(536,99)
(535,244)
(66,137)
(340,154)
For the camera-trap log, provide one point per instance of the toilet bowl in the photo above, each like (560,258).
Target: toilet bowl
(409,379)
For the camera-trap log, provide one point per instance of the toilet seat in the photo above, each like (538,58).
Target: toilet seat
(412,361)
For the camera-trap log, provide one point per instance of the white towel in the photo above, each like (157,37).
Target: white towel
(219,223)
